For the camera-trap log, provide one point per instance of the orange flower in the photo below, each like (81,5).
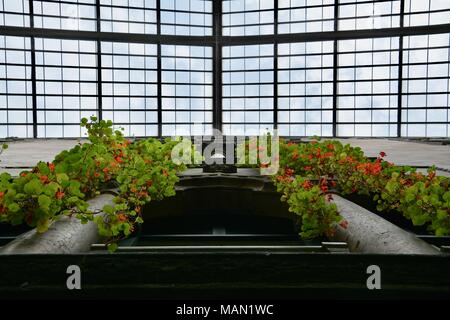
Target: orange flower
(51,166)
(289,172)
(122,217)
(24,174)
(59,195)
(431,175)
(44,179)
(307,185)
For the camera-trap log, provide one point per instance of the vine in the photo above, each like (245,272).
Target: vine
(141,172)
(309,170)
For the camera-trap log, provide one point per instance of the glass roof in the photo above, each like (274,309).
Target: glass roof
(341,68)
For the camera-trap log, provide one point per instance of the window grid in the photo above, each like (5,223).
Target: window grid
(247,17)
(426,86)
(77,15)
(369,14)
(426,12)
(186,17)
(367,87)
(186,90)
(129,87)
(14,13)
(305,89)
(415,104)
(296,16)
(128,16)
(16,116)
(66,86)
(248,88)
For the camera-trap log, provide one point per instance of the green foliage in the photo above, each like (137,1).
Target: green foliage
(423,199)
(143,171)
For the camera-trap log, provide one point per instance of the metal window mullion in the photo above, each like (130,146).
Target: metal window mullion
(99,63)
(335,68)
(33,70)
(275,68)
(400,72)
(217,65)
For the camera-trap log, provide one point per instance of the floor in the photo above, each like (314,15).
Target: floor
(24,154)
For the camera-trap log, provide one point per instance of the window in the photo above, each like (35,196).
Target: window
(66,86)
(248,89)
(426,12)
(128,16)
(247,17)
(297,16)
(14,13)
(363,14)
(368,87)
(305,89)
(66,14)
(16,116)
(129,87)
(186,90)
(186,17)
(426,86)
(367,68)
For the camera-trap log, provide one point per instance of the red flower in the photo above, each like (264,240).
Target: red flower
(307,185)
(59,195)
(308,168)
(330,146)
(289,172)
(44,179)
(165,173)
(382,154)
(122,217)
(295,156)
(324,188)
(2,194)
(333,184)
(24,174)
(51,166)
(431,175)
(118,159)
